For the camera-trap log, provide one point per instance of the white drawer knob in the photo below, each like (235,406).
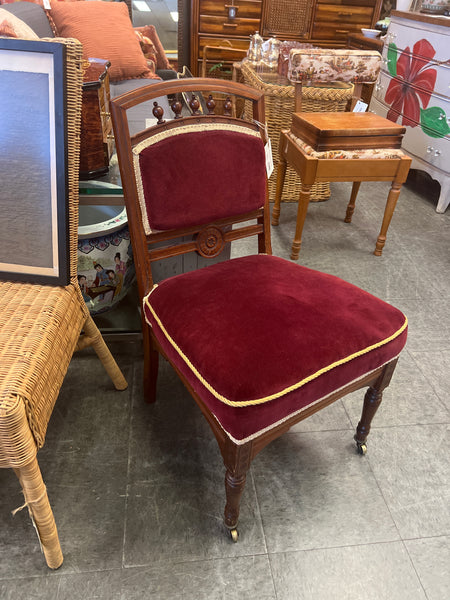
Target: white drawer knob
(437,153)
(430,149)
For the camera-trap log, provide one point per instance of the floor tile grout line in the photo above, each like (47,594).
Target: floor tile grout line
(414,568)
(430,382)
(259,508)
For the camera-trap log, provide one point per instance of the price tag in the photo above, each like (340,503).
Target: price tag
(360,106)
(269,158)
(47,4)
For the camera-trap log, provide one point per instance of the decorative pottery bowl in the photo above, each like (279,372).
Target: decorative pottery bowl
(105,261)
(371,33)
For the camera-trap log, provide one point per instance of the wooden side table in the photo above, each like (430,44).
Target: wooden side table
(341,147)
(279,98)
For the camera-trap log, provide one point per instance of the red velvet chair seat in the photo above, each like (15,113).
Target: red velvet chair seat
(262,332)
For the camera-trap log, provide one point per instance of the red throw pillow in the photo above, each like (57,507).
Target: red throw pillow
(105,30)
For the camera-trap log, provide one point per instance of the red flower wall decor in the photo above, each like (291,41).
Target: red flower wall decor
(410,89)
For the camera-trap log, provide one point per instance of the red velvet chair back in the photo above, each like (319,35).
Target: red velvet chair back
(193,174)
(199,173)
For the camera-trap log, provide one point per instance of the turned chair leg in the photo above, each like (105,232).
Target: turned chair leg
(394,193)
(237,461)
(40,511)
(372,401)
(281,174)
(234,487)
(351,204)
(303,203)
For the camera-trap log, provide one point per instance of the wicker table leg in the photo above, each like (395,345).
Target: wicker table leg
(40,511)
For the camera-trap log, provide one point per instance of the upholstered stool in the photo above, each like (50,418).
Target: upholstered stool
(341,147)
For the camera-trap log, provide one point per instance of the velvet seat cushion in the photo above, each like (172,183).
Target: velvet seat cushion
(260,339)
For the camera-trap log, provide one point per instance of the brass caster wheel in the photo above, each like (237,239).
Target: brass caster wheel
(234,535)
(361,448)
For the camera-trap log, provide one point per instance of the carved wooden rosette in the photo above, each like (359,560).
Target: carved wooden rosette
(210,242)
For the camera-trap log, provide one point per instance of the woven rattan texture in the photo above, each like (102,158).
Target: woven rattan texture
(39,330)
(279,103)
(40,325)
(289,17)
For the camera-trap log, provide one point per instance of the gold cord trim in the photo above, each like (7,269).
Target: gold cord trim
(283,392)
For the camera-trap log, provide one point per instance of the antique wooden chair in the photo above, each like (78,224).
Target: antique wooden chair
(354,146)
(40,328)
(260,343)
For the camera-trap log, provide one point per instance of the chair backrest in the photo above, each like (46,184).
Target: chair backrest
(323,65)
(193,176)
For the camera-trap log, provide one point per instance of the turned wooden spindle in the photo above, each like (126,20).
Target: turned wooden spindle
(158,113)
(195,105)
(177,107)
(227,106)
(210,104)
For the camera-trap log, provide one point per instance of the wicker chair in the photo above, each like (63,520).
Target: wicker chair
(40,328)
(259,342)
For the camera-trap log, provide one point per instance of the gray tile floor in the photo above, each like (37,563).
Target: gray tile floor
(137,490)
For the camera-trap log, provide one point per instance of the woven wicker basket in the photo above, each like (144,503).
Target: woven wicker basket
(279,103)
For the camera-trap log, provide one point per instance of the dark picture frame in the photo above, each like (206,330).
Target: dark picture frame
(34,222)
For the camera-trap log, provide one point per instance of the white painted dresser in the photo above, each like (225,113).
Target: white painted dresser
(414,90)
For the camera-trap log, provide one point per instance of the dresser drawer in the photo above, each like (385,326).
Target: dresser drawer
(212,41)
(334,14)
(403,35)
(248,9)
(336,21)
(433,150)
(232,27)
(420,65)
(435,117)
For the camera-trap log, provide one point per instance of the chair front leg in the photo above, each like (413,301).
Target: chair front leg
(303,203)
(351,204)
(237,462)
(372,401)
(391,203)
(40,511)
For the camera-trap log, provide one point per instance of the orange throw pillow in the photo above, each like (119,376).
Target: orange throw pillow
(105,30)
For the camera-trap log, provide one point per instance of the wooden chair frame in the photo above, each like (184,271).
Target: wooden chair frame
(237,458)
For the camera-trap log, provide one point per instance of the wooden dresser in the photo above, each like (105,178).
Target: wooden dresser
(325,23)
(414,90)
